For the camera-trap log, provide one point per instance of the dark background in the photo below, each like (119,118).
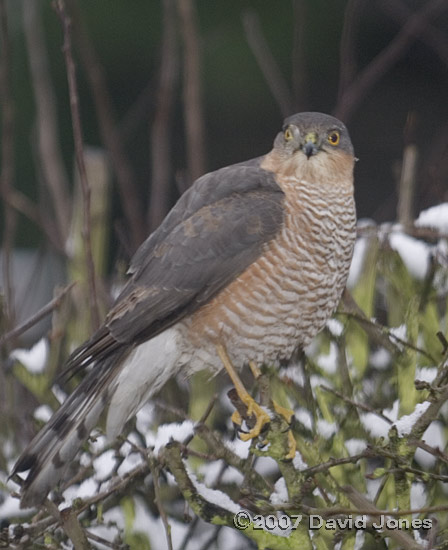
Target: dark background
(380,66)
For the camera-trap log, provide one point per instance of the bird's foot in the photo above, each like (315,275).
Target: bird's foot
(251,409)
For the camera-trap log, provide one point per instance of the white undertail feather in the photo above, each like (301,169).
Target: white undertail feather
(126,380)
(143,373)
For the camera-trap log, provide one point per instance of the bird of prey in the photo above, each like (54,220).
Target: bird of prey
(247,266)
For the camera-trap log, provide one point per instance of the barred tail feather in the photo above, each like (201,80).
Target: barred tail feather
(54,447)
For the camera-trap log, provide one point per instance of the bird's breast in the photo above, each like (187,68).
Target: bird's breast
(284,298)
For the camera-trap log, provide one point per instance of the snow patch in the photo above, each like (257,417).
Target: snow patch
(436,217)
(34,359)
(167,432)
(355,446)
(405,424)
(415,254)
(325,428)
(329,362)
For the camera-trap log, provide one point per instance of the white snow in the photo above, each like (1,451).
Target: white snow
(214,496)
(380,359)
(355,446)
(167,432)
(418,495)
(436,217)
(266,466)
(33,359)
(414,253)
(405,424)
(426,374)
(43,413)
(211,470)
(304,417)
(329,362)
(280,494)
(85,490)
(335,327)
(298,462)
(435,437)
(325,428)
(239,447)
(294,373)
(104,465)
(399,332)
(357,264)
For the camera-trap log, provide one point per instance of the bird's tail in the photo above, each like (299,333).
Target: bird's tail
(54,447)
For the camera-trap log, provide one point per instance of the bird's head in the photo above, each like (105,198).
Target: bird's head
(312,145)
(312,133)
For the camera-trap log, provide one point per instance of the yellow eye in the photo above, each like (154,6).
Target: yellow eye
(288,134)
(334,138)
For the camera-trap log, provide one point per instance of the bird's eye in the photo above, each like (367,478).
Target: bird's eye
(288,134)
(334,138)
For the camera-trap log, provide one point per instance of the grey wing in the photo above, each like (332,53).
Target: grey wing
(207,189)
(214,232)
(196,260)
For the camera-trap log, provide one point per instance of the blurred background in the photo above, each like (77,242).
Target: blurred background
(110,109)
(167,90)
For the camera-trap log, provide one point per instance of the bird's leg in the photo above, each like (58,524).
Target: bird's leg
(253,408)
(287,414)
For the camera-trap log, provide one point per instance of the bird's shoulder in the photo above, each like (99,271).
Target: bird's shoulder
(237,179)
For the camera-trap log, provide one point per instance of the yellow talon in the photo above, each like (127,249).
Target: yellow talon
(282,411)
(236,418)
(262,417)
(292,446)
(253,408)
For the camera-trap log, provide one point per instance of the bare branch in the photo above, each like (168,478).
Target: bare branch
(59,6)
(271,72)
(7,159)
(161,161)
(43,312)
(379,66)
(47,126)
(194,116)
(110,134)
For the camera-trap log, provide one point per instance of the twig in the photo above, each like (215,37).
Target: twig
(434,37)
(361,502)
(356,404)
(68,518)
(161,162)
(268,66)
(43,312)
(7,160)
(110,132)
(105,542)
(299,68)
(377,332)
(379,66)
(347,48)
(408,176)
(153,466)
(47,126)
(59,7)
(194,117)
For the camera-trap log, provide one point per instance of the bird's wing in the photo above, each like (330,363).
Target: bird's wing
(208,239)
(214,232)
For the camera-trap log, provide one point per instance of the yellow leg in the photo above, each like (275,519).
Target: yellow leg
(262,417)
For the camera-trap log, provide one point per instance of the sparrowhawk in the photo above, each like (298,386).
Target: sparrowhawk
(252,259)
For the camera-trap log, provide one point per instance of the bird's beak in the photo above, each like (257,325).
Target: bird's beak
(309,146)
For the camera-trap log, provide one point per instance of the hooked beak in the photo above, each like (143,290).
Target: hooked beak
(309,146)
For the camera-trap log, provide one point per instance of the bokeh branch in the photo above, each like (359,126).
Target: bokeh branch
(60,8)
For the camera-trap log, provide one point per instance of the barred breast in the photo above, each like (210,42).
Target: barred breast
(284,298)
